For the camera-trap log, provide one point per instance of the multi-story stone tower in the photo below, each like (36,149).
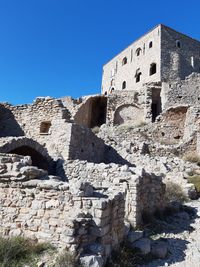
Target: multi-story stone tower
(161,55)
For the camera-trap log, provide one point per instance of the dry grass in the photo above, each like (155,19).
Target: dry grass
(192,157)
(66,259)
(195,180)
(174,193)
(18,251)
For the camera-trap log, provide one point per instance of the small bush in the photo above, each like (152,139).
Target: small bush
(96,130)
(17,251)
(67,260)
(192,157)
(195,180)
(126,256)
(174,193)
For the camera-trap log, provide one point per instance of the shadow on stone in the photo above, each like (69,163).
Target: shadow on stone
(112,156)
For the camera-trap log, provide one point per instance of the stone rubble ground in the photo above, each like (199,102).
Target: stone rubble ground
(183,239)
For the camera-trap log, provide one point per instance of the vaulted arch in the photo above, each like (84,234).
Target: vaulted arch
(128,113)
(28,147)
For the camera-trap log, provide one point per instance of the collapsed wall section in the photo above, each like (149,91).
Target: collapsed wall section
(48,123)
(144,191)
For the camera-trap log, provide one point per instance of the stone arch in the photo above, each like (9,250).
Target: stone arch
(128,114)
(92,112)
(28,147)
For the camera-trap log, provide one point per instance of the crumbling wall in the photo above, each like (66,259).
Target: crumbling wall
(48,122)
(92,112)
(84,145)
(185,92)
(126,107)
(171,125)
(45,209)
(143,191)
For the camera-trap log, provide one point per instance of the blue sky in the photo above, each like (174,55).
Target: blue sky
(57,47)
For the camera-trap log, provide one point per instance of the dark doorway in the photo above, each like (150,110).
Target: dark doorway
(93,112)
(37,159)
(98,111)
(156,106)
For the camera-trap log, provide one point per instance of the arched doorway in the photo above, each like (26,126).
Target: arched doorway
(37,159)
(28,147)
(92,112)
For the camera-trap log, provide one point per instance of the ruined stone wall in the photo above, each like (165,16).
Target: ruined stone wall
(143,191)
(43,208)
(126,107)
(171,125)
(84,145)
(48,122)
(115,73)
(185,92)
(178,62)
(51,214)
(92,111)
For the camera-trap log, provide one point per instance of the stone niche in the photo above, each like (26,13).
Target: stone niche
(171,125)
(128,114)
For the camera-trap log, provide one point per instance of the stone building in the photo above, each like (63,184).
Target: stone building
(161,55)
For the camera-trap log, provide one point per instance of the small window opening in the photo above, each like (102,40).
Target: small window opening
(45,127)
(178,44)
(124,85)
(112,89)
(138,77)
(138,51)
(152,69)
(124,61)
(192,61)
(151,44)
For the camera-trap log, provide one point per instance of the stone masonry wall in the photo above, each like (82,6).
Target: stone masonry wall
(178,62)
(62,139)
(185,92)
(126,107)
(115,73)
(143,191)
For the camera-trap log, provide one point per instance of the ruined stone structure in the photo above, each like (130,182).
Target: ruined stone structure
(79,172)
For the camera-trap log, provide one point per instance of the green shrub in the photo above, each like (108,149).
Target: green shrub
(66,259)
(195,180)
(126,256)
(16,251)
(96,130)
(174,193)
